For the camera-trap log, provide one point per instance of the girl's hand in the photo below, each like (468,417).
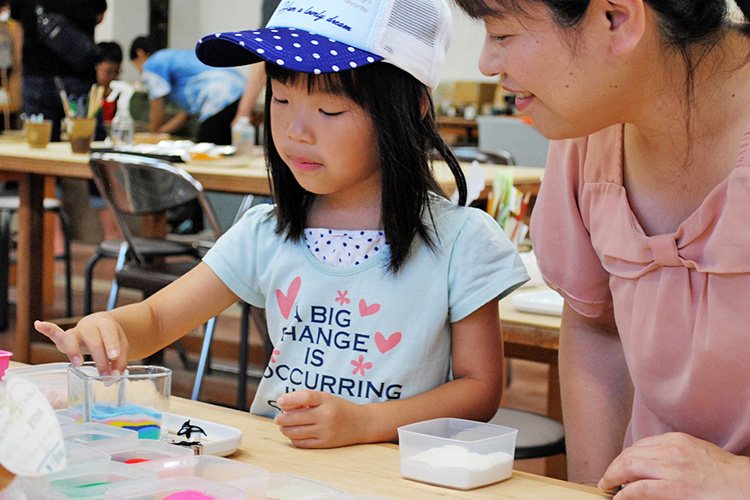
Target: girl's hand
(314,419)
(101,337)
(678,466)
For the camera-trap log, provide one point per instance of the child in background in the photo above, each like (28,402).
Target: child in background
(108,67)
(642,225)
(381,296)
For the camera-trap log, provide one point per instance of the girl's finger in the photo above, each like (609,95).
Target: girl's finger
(114,349)
(50,330)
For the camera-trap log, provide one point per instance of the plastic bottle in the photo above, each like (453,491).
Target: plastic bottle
(123,128)
(243,136)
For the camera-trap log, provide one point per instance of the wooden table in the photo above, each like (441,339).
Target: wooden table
(233,175)
(364,469)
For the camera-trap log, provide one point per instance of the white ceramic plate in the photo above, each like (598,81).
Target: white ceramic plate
(221,440)
(542,302)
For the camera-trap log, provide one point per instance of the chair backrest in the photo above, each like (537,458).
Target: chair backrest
(135,185)
(495,156)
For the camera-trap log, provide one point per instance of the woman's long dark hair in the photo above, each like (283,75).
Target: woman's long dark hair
(404,120)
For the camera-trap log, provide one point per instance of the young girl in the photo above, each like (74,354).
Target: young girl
(642,225)
(380,295)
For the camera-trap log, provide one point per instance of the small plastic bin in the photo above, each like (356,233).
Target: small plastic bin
(143,450)
(138,399)
(250,478)
(50,378)
(456,453)
(253,480)
(4,362)
(282,486)
(90,480)
(77,453)
(185,487)
(97,435)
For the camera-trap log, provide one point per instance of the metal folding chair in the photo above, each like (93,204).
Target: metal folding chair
(137,186)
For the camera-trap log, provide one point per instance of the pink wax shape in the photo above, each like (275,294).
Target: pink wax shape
(188,495)
(4,362)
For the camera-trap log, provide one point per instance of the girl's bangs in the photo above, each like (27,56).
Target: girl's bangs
(330,83)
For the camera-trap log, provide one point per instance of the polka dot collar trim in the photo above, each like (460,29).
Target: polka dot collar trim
(344,248)
(292,48)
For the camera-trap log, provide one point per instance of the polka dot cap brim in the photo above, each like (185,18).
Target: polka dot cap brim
(291,48)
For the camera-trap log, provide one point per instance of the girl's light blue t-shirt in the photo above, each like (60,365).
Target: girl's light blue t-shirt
(361,332)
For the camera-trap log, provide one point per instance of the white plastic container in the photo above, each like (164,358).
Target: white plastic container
(456,453)
(143,450)
(90,480)
(243,136)
(253,480)
(97,435)
(300,488)
(77,453)
(162,488)
(50,378)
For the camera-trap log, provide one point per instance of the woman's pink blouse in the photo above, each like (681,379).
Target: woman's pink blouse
(681,300)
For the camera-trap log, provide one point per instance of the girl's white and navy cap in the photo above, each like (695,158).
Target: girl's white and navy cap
(325,36)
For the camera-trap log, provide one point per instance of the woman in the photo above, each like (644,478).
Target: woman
(642,226)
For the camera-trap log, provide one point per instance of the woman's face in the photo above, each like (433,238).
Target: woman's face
(561,78)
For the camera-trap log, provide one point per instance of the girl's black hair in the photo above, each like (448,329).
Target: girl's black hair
(404,119)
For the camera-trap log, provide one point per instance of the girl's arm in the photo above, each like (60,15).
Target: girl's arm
(315,419)
(596,391)
(137,330)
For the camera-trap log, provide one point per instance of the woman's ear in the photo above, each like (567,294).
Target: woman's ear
(627,23)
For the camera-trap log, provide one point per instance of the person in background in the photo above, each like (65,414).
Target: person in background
(211,94)
(381,295)
(256,81)
(41,65)
(641,225)
(108,68)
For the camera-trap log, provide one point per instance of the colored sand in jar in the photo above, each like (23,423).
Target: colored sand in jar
(146,421)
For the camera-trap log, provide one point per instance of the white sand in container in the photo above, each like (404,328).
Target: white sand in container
(456,467)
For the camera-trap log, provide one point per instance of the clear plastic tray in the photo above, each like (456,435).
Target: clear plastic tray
(253,480)
(161,488)
(142,450)
(50,378)
(90,480)
(290,487)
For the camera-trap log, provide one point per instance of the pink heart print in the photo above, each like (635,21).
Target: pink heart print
(365,310)
(386,344)
(287,301)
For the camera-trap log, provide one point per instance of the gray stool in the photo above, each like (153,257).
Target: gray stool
(538,436)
